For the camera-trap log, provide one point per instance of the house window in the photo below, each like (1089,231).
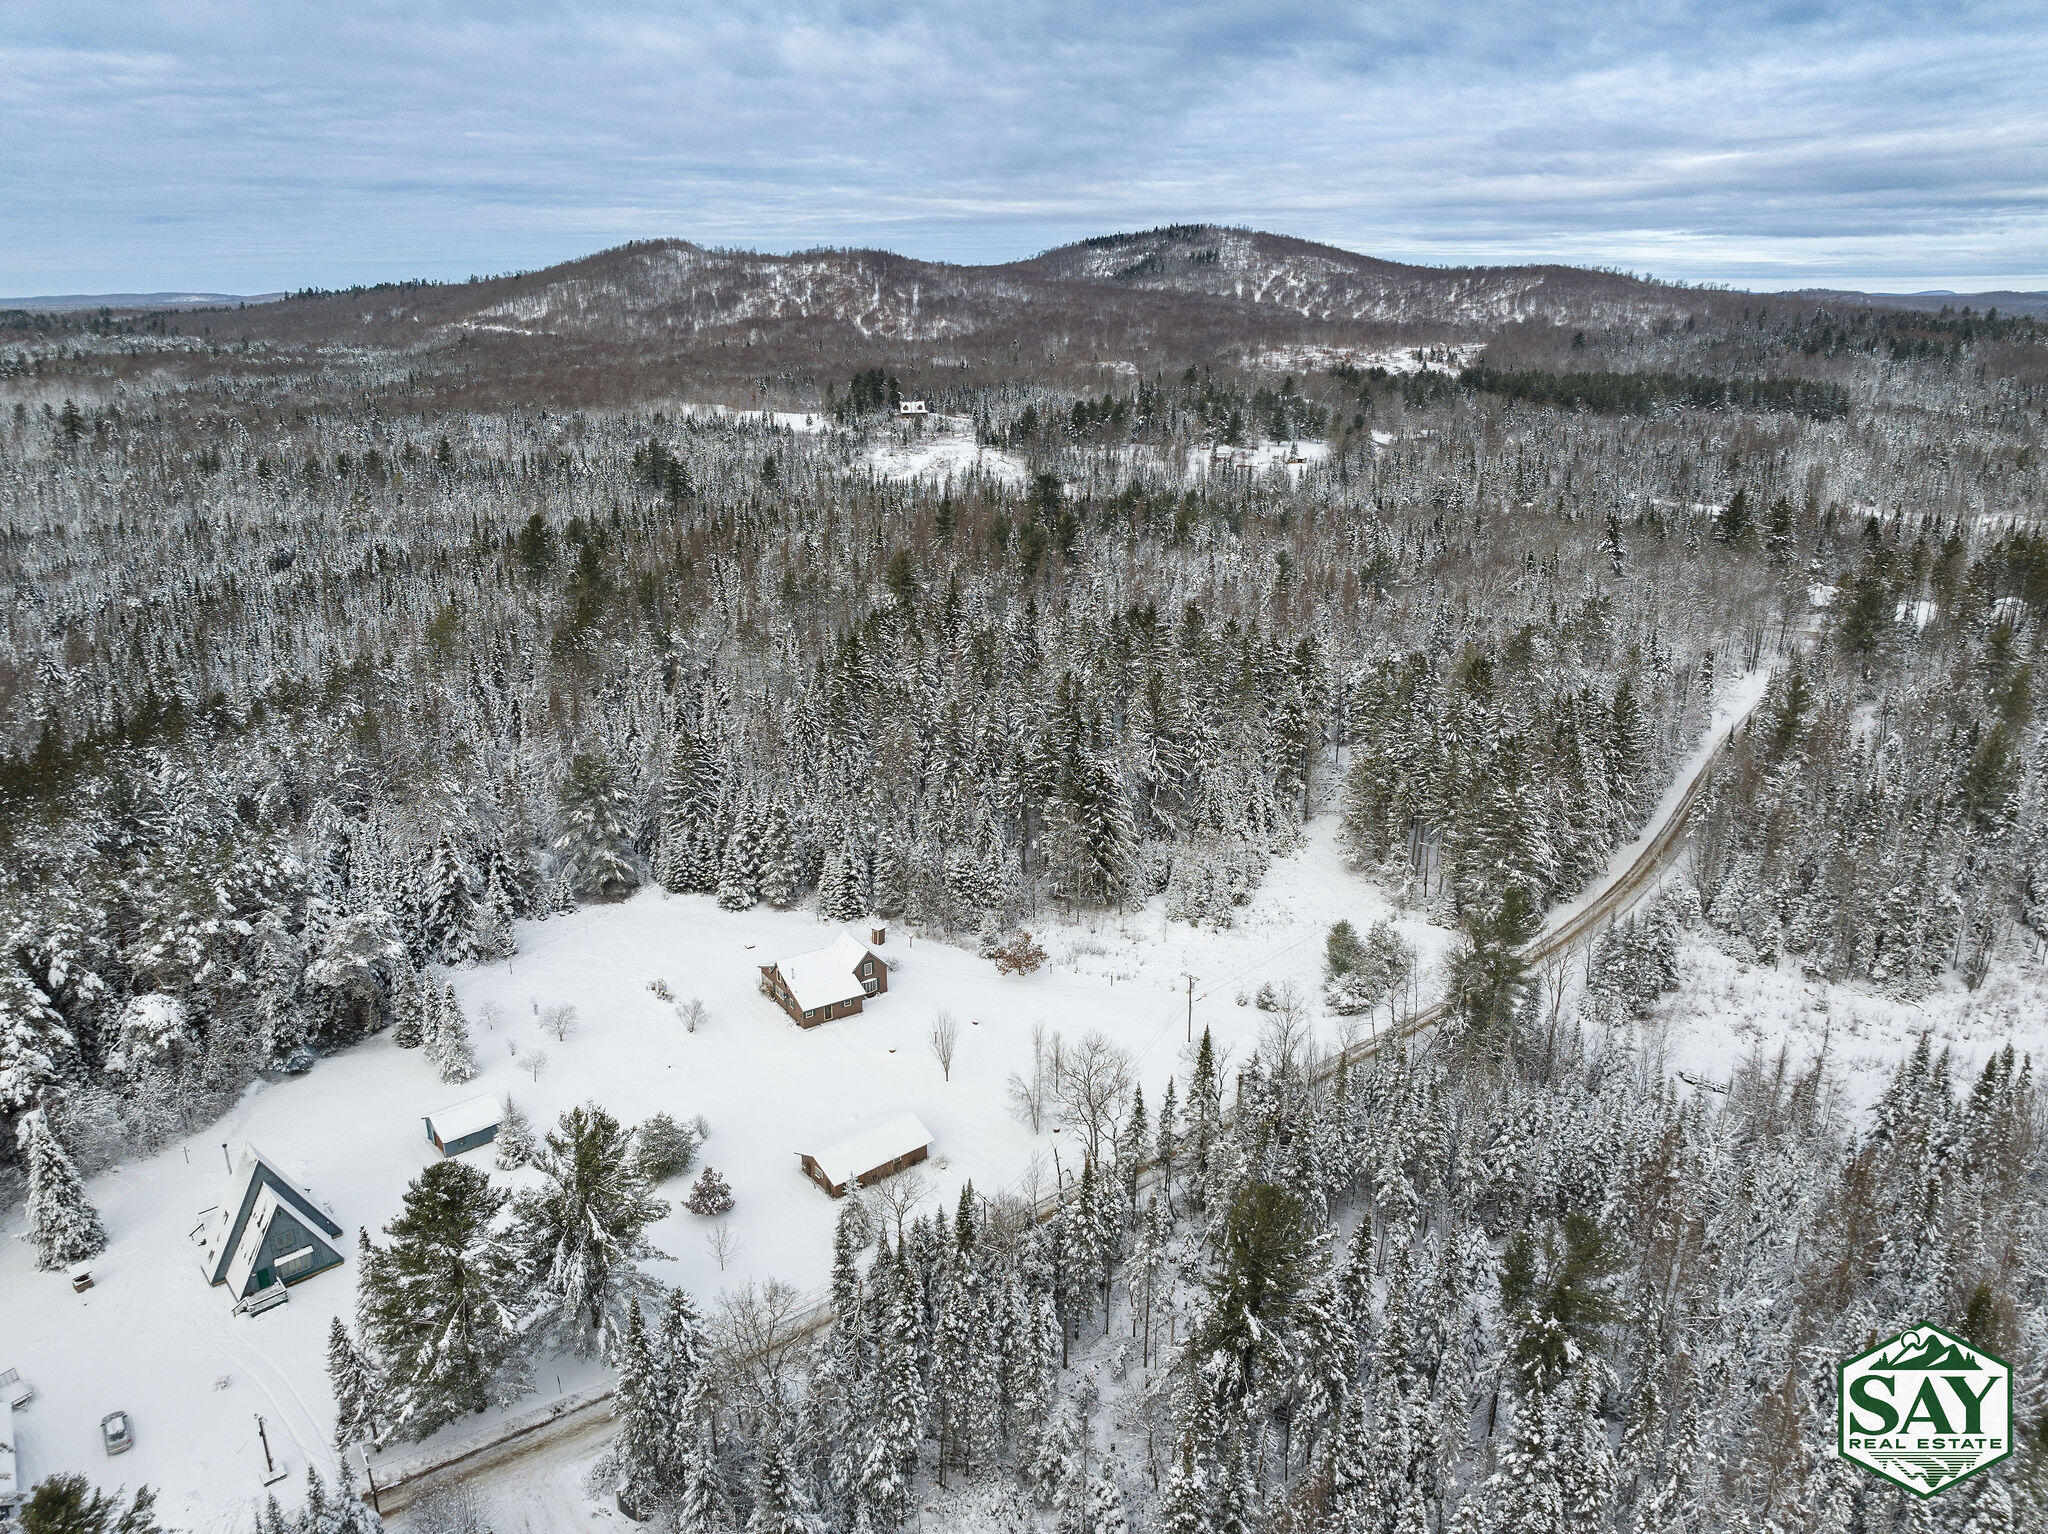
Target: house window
(811,1015)
(867,966)
(294,1263)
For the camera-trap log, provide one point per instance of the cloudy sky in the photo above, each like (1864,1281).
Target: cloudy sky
(247,147)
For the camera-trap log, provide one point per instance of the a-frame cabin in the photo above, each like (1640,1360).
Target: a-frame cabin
(267,1231)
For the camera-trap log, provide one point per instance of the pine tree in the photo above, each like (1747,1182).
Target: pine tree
(440,1304)
(580,1234)
(595,813)
(448,907)
(779,1501)
(639,1464)
(355,1387)
(35,1046)
(490,933)
(781,877)
(514,1141)
(410,1002)
(665,1148)
(700,1498)
(739,875)
(62,1223)
(448,1044)
(1106,1501)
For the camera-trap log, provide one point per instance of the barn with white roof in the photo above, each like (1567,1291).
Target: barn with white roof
(873,1151)
(465,1125)
(828,982)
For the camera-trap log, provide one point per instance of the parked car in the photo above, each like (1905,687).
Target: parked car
(117,1432)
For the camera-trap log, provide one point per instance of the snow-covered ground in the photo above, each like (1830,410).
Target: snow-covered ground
(1727,1010)
(944,450)
(1429,357)
(153,1339)
(810,423)
(1293,457)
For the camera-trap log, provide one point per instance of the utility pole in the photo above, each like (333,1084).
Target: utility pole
(1191,1008)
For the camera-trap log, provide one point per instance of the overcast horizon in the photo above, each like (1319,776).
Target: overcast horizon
(213,147)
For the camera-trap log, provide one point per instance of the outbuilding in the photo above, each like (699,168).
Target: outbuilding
(828,982)
(872,1152)
(464,1126)
(267,1230)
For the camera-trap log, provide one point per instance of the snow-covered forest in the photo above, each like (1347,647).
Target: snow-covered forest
(330,660)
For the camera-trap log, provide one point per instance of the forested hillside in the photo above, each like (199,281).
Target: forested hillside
(332,653)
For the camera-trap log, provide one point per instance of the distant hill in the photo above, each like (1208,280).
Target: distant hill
(2005,302)
(65,303)
(637,321)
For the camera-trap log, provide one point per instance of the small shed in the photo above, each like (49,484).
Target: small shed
(912,409)
(872,1152)
(267,1230)
(465,1125)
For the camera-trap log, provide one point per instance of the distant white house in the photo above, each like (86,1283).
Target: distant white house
(833,981)
(266,1231)
(912,409)
(869,1154)
(465,1125)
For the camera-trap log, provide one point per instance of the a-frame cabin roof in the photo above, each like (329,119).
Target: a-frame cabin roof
(256,1182)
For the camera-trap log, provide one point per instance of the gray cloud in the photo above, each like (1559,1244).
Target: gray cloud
(249,146)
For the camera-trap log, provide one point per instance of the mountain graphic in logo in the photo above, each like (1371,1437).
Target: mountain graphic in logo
(1928,1350)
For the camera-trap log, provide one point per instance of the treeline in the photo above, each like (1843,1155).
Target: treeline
(1885,817)
(1516,1283)
(1641,393)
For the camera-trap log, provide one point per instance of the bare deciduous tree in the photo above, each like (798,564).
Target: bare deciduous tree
(1091,1082)
(691,1013)
(1030,1095)
(723,1245)
(945,1039)
(558,1020)
(897,1196)
(536,1061)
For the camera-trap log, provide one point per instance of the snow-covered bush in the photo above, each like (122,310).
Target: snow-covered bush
(711,1196)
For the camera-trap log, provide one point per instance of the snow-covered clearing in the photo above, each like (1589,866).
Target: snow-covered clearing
(1727,1010)
(941,455)
(1293,457)
(810,423)
(151,1338)
(1429,357)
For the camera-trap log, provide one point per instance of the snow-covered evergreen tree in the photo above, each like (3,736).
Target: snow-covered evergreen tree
(440,1304)
(579,1236)
(63,1226)
(594,816)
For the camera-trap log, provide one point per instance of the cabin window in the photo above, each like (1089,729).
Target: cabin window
(294,1262)
(810,1015)
(867,966)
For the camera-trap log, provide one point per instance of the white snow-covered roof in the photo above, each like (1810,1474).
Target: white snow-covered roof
(257,1227)
(471,1116)
(872,1145)
(247,1167)
(825,976)
(913,407)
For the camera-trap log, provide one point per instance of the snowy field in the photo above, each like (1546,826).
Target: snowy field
(1727,1010)
(945,450)
(153,1339)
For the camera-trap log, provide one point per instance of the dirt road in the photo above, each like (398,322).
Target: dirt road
(575,1429)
